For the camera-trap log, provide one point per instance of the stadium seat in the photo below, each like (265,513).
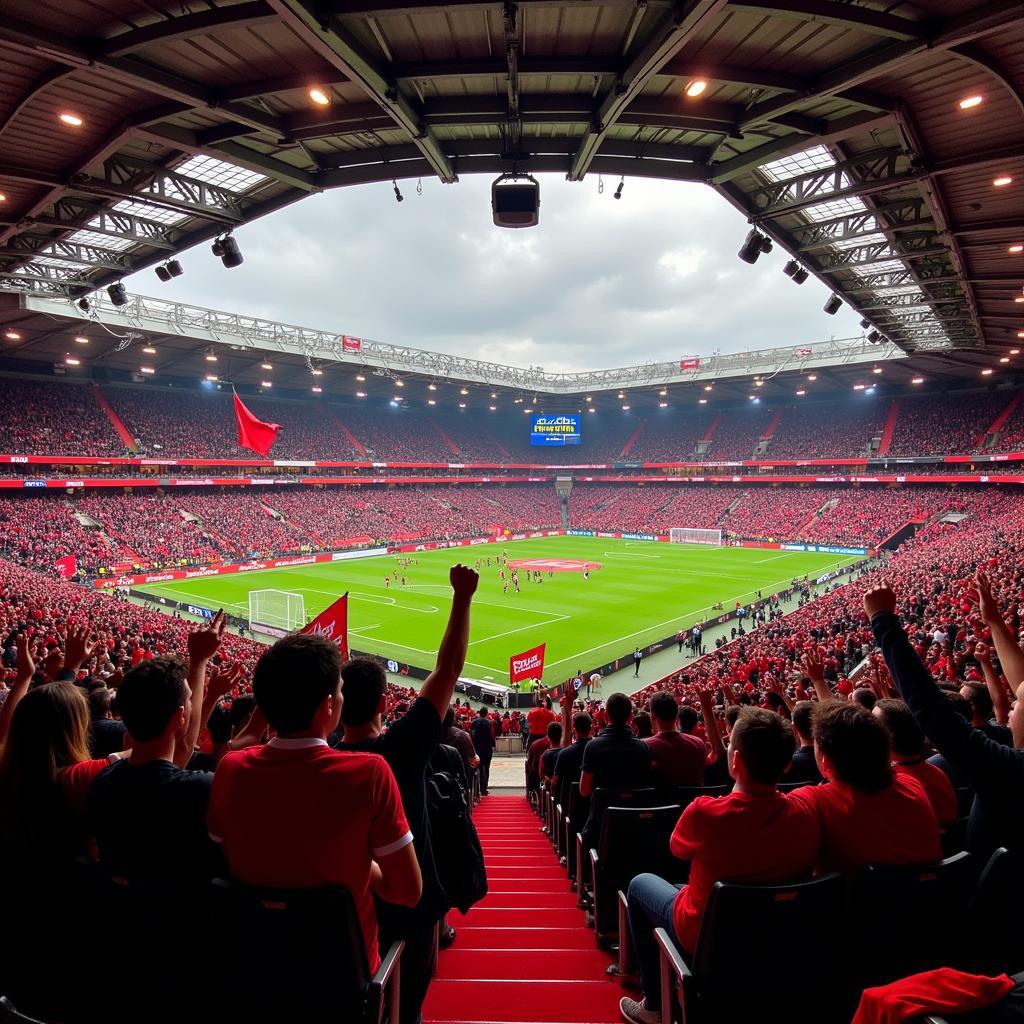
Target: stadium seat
(763,928)
(576,810)
(685,795)
(306,948)
(996,942)
(909,918)
(633,840)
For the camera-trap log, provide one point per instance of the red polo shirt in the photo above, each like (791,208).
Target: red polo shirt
(539,718)
(937,787)
(756,840)
(895,826)
(295,814)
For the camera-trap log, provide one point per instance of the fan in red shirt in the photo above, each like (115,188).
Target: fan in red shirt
(869,814)
(538,720)
(297,814)
(909,757)
(756,835)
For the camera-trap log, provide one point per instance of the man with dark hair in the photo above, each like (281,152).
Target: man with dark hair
(454,736)
(678,758)
(482,735)
(614,759)
(106,734)
(864,697)
(297,814)
(908,757)
(868,814)
(570,757)
(755,835)
(982,711)
(547,759)
(149,814)
(407,746)
(804,767)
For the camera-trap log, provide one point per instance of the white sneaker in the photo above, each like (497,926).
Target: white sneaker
(636,1012)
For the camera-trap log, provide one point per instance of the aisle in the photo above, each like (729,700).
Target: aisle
(523,955)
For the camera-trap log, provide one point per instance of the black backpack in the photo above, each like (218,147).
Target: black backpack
(457,851)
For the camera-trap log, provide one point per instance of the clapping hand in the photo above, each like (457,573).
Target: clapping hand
(203,643)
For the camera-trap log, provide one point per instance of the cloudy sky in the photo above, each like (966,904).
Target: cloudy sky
(599,283)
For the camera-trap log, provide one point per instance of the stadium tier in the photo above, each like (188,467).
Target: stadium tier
(67,419)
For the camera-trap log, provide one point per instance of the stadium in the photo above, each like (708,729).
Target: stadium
(408,681)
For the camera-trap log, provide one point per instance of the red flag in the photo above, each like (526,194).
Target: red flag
(253,433)
(66,567)
(528,665)
(351,344)
(332,623)
(690,363)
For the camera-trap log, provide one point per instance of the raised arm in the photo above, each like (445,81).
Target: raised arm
(203,644)
(25,669)
(1011,657)
(451,655)
(982,761)
(706,696)
(815,669)
(774,685)
(997,689)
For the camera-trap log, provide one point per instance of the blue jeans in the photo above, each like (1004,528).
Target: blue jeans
(651,900)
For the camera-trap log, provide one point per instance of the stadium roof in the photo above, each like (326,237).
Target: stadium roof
(132,130)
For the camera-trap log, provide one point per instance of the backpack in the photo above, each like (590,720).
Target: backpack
(457,851)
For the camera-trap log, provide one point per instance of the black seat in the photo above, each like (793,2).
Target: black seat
(600,800)
(761,927)
(576,810)
(929,899)
(995,914)
(305,951)
(633,840)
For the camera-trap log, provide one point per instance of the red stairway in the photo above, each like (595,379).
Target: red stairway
(523,955)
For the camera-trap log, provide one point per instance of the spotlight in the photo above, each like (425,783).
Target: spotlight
(398,192)
(163,273)
(618,191)
(801,275)
(174,268)
(791,268)
(230,254)
(874,337)
(753,245)
(118,295)
(865,324)
(83,305)
(833,305)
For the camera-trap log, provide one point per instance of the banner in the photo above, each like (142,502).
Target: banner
(690,363)
(528,665)
(802,351)
(66,567)
(350,344)
(332,623)
(253,433)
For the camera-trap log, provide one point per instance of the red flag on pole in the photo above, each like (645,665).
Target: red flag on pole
(66,567)
(528,665)
(332,623)
(252,432)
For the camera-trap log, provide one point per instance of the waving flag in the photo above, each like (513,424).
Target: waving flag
(253,433)
(66,567)
(332,623)
(528,665)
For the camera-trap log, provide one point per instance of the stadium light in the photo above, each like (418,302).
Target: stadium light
(148,370)
(492,408)
(430,387)
(812,376)
(753,245)
(317,372)
(266,384)
(210,357)
(431,401)
(462,405)
(663,405)
(149,350)
(12,336)
(463,391)
(211,377)
(118,294)
(70,119)
(72,361)
(266,366)
(592,408)
(801,275)
(801,391)
(917,380)
(625,408)
(1016,248)
(1002,181)
(618,191)
(81,339)
(227,249)
(398,192)
(316,389)
(987,372)
(361,378)
(859,387)
(833,305)
(708,387)
(319,97)
(969,102)
(1004,359)
(696,87)
(360,394)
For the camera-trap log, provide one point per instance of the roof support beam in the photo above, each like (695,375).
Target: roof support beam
(326,37)
(187,26)
(26,247)
(1010,225)
(871,255)
(664,43)
(829,12)
(963,28)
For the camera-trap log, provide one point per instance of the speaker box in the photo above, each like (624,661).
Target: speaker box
(515,203)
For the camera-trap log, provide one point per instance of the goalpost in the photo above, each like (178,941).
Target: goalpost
(276,611)
(685,535)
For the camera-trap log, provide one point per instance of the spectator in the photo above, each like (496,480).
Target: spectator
(804,767)
(755,835)
(106,734)
(295,814)
(909,757)
(868,814)
(570,757)
(148,812)
(483,744)
(455,736)
(550,756)
(982,711)
(539,719)
(408,746)
(678,758)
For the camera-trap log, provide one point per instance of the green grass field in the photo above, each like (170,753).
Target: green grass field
(642,592)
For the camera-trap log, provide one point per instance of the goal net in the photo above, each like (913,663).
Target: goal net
(276,611)
(684,535)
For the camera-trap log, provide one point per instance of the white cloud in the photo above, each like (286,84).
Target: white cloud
(599,283)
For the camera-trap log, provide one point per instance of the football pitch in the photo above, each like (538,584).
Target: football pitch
(638,592)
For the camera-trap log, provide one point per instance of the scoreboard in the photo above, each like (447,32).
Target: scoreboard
(554,431)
